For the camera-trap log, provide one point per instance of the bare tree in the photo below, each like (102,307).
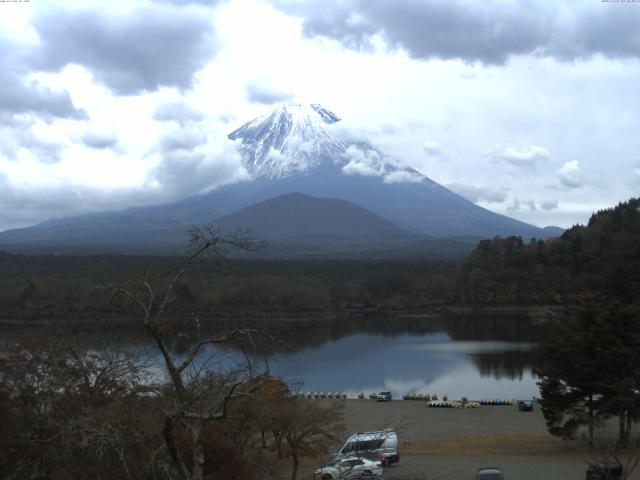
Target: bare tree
(60,402)
(609,453)
(199,396)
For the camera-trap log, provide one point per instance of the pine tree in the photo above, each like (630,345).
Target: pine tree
(569,380)
(592,371)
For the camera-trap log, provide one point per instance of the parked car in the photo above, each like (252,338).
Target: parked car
(525,406)
(382,445)
(604,471)
(489,473)
(350,467)
(385,397)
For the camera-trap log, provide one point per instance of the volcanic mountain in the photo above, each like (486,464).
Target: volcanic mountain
(294,148)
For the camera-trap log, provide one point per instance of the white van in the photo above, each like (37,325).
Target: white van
(382,445)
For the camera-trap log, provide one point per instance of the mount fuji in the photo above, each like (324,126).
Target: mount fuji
(295,148)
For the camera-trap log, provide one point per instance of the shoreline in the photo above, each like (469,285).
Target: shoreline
(537,313)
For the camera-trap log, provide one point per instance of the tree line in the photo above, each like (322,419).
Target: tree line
(587,264)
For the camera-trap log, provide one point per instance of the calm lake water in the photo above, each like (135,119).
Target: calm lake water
(428,363)
(473,357)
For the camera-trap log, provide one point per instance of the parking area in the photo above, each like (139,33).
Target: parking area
(451,444)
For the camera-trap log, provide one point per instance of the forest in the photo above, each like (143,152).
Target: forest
(593,263)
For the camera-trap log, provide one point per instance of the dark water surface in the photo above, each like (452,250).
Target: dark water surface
(427,363)
(474,357)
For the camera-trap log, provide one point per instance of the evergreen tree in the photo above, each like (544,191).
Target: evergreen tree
(619,356)
(592,371)
(569,380)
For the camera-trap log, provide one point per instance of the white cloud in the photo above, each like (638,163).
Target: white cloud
(363,162)
(479,193)
(433,150)
(403,176)
(261,90)
(570,175)
(526,158)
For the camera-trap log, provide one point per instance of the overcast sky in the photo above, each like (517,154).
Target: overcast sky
(527,108)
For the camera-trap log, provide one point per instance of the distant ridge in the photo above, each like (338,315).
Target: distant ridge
(300,217)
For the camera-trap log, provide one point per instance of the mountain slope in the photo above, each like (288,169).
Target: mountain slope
(292,149)
(296,216)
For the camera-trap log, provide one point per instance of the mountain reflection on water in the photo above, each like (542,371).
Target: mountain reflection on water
(470,355)
(459,356)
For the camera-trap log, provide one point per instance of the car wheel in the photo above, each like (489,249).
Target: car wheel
(366,474)
(326,476)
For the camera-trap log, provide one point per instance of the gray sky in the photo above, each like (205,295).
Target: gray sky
(531,109)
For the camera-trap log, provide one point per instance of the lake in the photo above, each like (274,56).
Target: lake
(462,357)
(427,363)
(475,357)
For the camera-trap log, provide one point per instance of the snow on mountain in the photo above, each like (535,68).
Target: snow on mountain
(295,148)
(296,138)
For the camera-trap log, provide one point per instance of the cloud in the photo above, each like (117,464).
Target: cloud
(20,95)
(177,174)
(549,205)
(178,112)
(403,176)
(139,51)
(527,158)
(19,139)
(433,150)
(182,140)
(570,175)
(99,140)
(264,92)
(489,32)
(519,204)
(479,193)
(365,162)
(209,3)
(186,172)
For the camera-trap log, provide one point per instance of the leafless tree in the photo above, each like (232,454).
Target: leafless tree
(610,451)
(198,395)
(60,401)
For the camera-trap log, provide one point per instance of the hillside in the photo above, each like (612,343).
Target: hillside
(296,216)
(598,261)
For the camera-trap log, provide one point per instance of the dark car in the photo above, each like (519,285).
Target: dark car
(604,471)
(489,473)
(525,406)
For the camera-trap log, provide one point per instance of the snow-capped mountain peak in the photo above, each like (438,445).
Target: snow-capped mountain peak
(291,138)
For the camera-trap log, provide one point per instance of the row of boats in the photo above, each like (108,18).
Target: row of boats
(334,395)
(432,400)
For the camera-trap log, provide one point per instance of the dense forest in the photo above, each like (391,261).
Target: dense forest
(64,287)
(596,262)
